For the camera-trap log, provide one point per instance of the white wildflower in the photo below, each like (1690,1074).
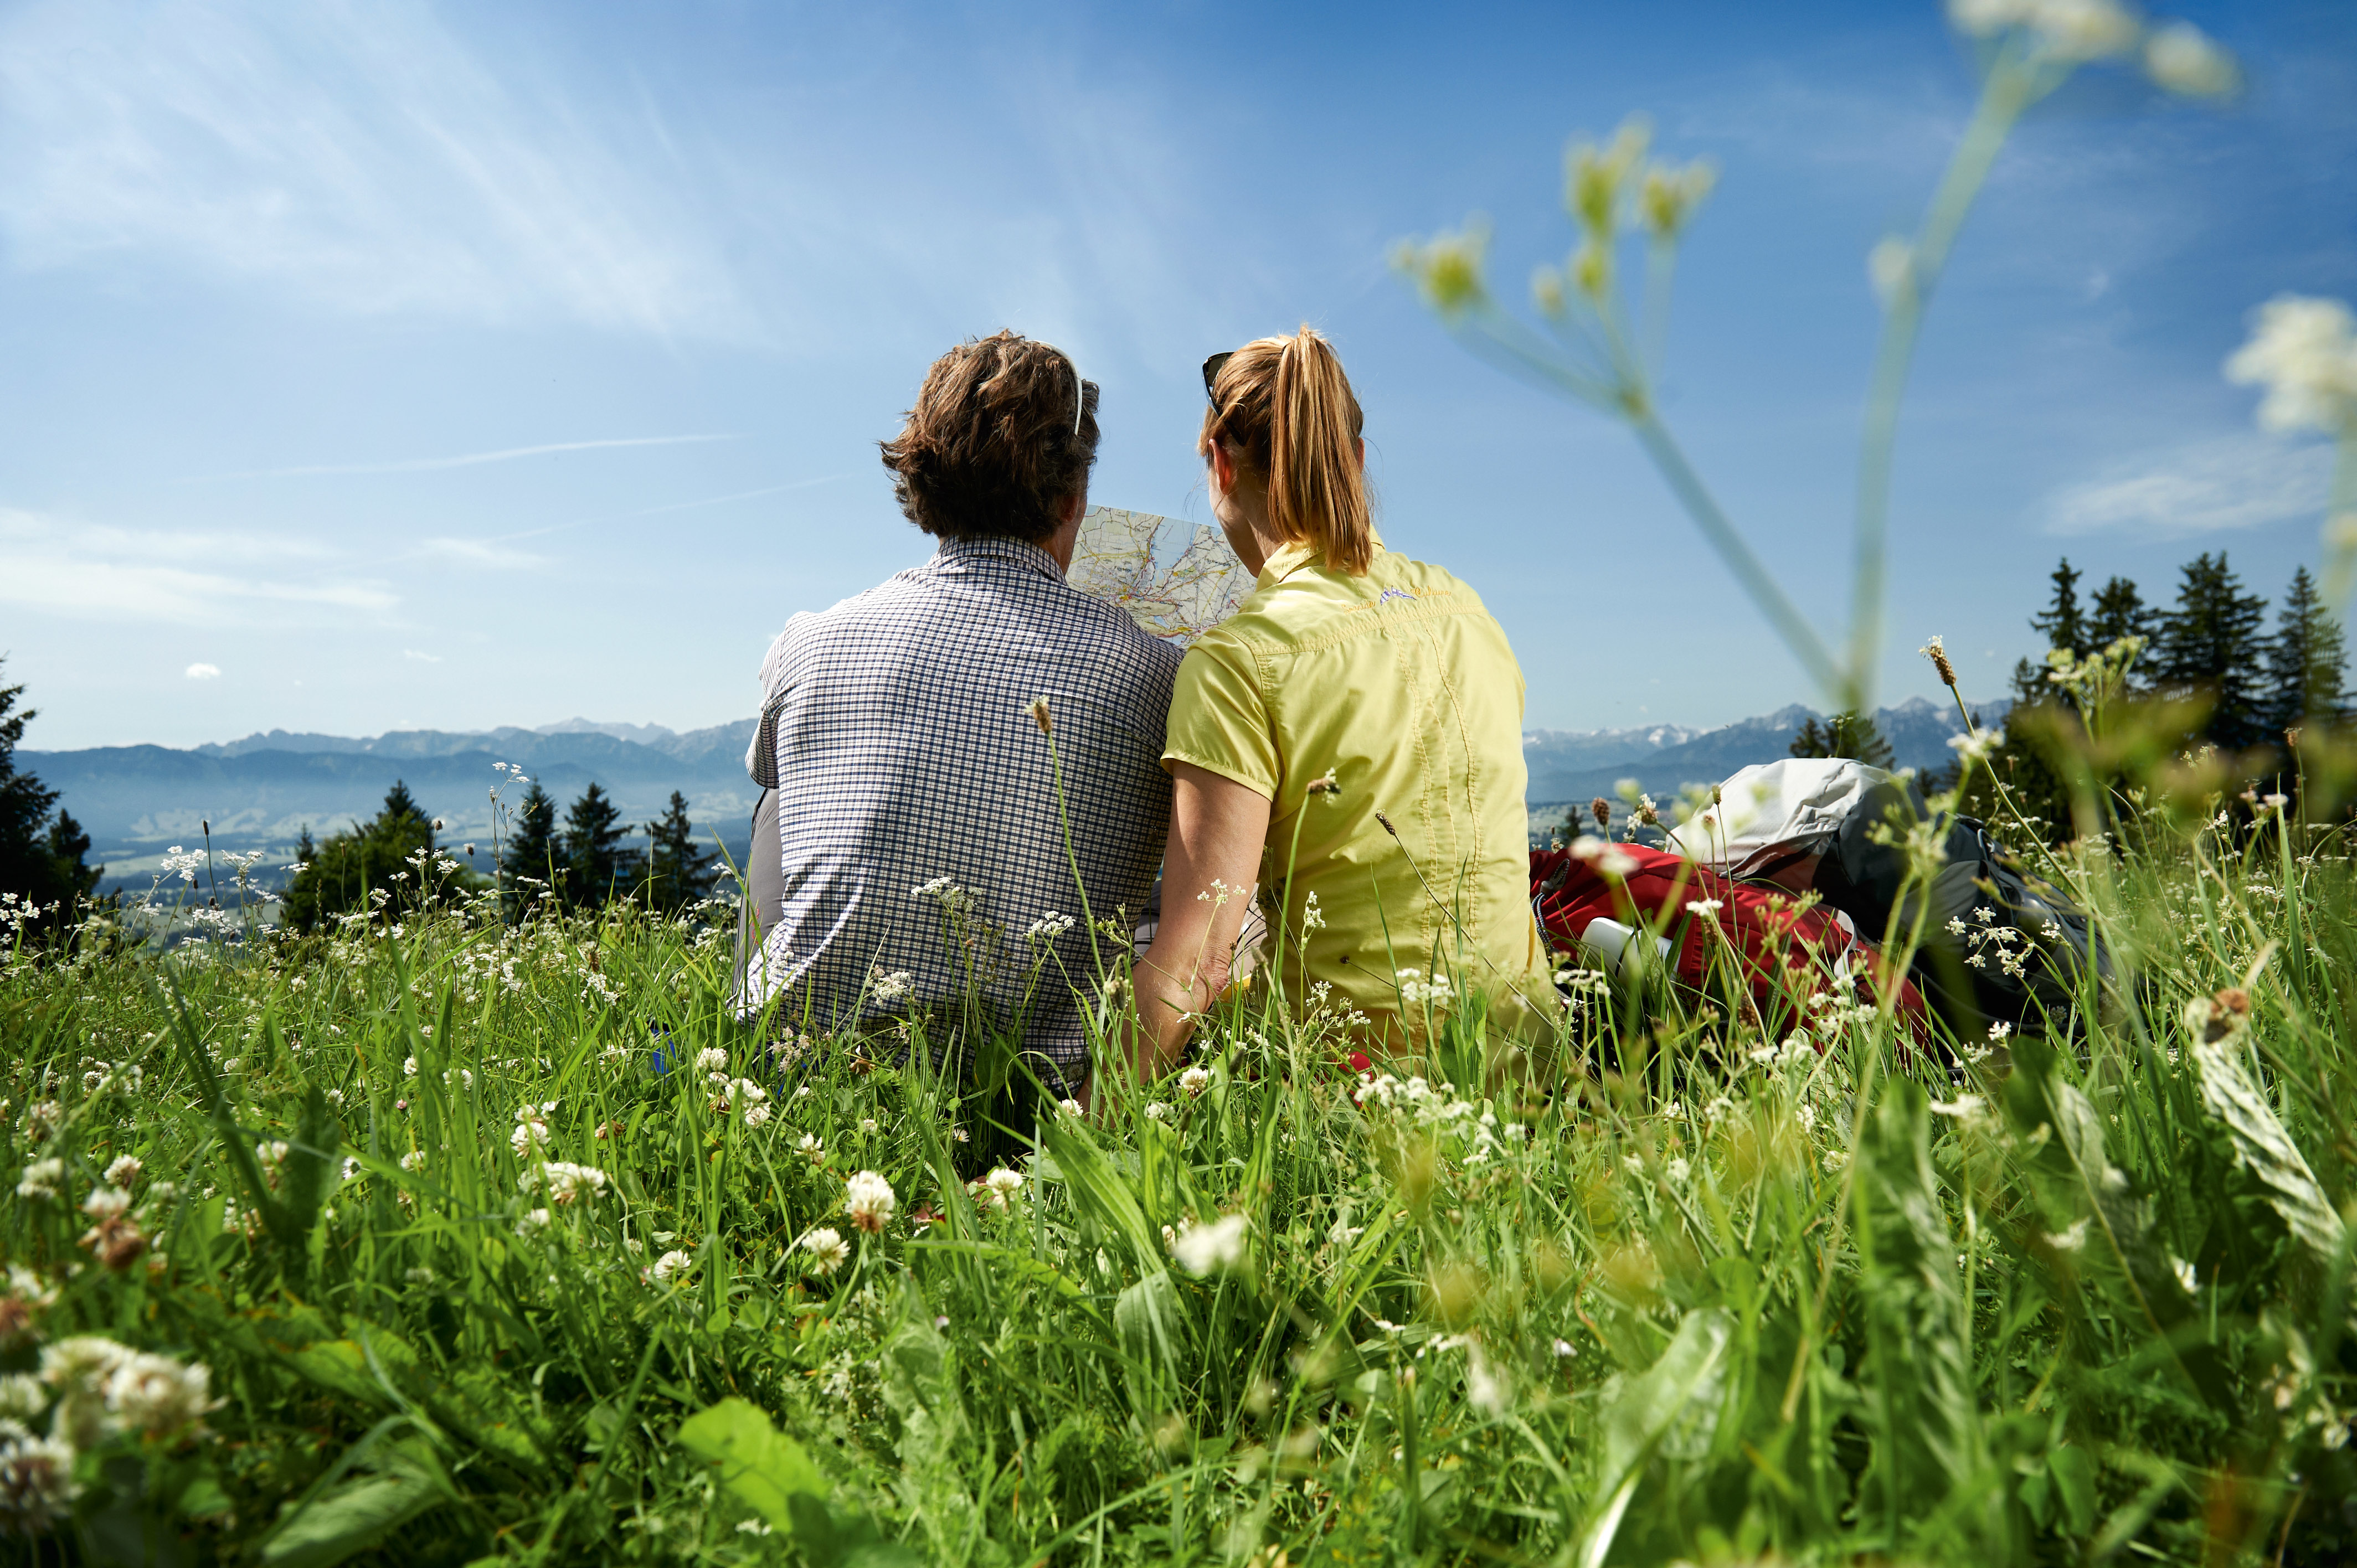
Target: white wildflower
(1157,1111)
(2182,59)
(21,1397)
(125,1170)
(106,1203)
(868,1198)
(891,987)
(36,1483)
(811,1149)
(40,1178)
(533,1223)
(711,1059)
(2304,352)
(757,1114)
(1203,1249)
(2069,1240)
(999,1188)
(414,1161)
(1679,1171)
(670,1263)
(827,1249)
(1069,1107)
(1194,1080)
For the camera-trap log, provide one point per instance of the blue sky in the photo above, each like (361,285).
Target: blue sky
(418,367)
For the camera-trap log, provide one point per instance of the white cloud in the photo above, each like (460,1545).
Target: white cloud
(87,572)
(204,672)
(472,459)
(361,155)
(488,553)
(2235,482)
(421,657)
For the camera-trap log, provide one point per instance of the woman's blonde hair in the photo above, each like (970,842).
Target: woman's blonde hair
(1285,408)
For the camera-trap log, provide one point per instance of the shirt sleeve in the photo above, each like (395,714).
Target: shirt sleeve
(1218,720)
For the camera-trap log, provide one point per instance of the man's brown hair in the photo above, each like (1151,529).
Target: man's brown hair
(991,450)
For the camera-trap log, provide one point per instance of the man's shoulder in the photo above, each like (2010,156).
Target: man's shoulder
(925,597)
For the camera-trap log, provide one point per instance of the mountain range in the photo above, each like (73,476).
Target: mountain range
(262,791)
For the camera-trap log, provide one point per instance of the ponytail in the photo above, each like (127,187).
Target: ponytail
(1286,407)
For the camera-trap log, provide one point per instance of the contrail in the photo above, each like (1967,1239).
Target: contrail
(419,465)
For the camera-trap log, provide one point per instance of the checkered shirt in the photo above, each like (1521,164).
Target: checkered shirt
(905,751)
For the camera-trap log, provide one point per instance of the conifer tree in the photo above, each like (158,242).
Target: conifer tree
(2061,624)
(42,860)
(340,876)
(2120,611)
(2210,645)
(1846,734)
(2308,661)
(591,847)
(531,850)
(679,870)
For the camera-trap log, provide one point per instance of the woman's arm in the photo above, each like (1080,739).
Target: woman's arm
(1217,828)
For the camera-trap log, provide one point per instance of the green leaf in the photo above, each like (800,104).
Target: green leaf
(2074,1483)
(349,1516)
(763,1467)
(1677,1399)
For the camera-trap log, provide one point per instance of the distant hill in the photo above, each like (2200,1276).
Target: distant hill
(260,792)
(1577,767)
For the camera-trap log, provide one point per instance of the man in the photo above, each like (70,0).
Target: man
(927,855)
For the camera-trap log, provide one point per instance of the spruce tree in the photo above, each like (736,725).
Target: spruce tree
(2308,661)
(2120,611)
(531,850)
(2209,646)
(340,876)
(41,859)
(591,847)
(1846,734)
(679,870)
(2061,624)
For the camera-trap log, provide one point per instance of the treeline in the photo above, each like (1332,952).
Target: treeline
(582,862)
(2247,690)
(44,852)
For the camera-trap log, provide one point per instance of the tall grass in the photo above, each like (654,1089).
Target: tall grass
(1685,1288)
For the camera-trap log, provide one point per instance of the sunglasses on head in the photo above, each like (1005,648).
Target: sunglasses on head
(1212,368)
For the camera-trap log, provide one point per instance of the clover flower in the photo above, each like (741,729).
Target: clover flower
(106,1203)
(1194,1080)
(868,1198)
(811,1149)
(566,1182)
(40,1178)
(125,1170)
(36,1484)
(827,1249)
(670,1263)
(998,1190)
(1207,1249)
(711,1059)
(757,1114)
(2303,350)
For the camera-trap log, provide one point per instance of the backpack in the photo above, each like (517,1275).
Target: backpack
(1784,955)
(1999,946)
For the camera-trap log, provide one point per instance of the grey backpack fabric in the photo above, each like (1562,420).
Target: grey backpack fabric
(1999,946)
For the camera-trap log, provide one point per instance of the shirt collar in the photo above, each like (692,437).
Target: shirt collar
(965,554)
(1291,558)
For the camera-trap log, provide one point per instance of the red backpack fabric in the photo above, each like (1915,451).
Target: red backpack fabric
(1785,953)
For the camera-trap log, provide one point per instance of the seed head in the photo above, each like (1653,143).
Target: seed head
(1040,716)
(1936,651)
(1601,809)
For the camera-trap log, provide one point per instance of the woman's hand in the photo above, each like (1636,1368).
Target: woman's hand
(1217,829)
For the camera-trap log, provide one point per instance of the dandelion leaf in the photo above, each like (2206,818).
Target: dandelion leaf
(352,1515)
(1673,1406)
(765,1469)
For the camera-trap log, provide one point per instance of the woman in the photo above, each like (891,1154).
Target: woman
(1354,688)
